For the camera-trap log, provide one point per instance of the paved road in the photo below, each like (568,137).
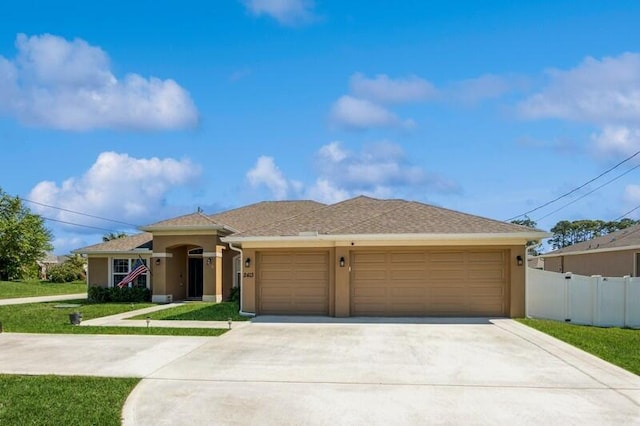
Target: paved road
(274,373)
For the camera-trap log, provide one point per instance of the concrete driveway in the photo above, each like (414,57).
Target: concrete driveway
(371,372)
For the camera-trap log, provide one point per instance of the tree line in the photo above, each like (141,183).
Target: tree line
(566,233)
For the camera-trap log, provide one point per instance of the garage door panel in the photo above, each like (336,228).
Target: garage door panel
(447,257)
(293,283)
(407,257)
(363,258)
(412,276)
(429,282)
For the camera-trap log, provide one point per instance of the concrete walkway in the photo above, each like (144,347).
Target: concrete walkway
(121,320)
(39,299)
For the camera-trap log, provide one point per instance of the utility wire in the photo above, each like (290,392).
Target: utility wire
(627,213)
(577,188)
(588,193)
(78,224)
(79,213)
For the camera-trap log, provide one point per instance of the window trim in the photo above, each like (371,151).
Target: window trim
(131,261)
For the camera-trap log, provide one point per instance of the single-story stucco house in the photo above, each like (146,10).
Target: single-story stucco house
(613,255)
(358,257)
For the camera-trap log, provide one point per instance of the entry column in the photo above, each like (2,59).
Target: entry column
(212,275)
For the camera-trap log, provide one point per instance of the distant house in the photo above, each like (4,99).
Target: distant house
(613,255)
(45,264)
(362,256)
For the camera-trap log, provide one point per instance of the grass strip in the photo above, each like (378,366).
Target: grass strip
(14,289)
(619,346)
(198,311)
(47,318)
(63,400)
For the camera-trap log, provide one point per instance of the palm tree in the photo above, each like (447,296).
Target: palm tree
(113,236)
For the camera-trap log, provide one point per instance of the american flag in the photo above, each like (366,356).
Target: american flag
(138,269)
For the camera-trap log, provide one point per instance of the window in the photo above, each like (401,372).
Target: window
(120,269)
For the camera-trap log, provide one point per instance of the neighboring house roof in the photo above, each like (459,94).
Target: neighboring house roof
(263,213)
(622,239)
(142,241)
(365,215)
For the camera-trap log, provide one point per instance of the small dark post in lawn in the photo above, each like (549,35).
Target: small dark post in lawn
(75,318)
(148,322)
(0,326)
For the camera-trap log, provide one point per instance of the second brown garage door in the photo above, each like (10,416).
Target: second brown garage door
(293,283)
(429,283)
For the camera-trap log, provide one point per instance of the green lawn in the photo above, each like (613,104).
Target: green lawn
(619,346)
(13,289)
(199,311)
(62,400)
(46,318)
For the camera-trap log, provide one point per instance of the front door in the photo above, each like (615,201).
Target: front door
(195,278)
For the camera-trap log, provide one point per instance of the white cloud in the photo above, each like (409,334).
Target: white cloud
(358,114)
(487,86)
(69,85)
(617,140)
(379,170)
(286,12)
(383,89)
(266,173)
(602,92)
(118,187)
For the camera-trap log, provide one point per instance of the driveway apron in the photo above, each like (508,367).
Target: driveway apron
(355,371)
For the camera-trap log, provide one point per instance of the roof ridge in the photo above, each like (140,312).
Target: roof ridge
(271,224)
(372,217)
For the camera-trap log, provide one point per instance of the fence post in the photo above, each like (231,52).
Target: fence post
(567,296)
(596,300)
(627,284)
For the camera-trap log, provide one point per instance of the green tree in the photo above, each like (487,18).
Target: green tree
(566,233)
(529,223)
(23,238)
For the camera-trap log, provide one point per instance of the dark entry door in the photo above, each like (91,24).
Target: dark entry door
(195,278)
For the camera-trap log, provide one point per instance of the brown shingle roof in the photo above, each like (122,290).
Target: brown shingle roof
(365,215)
(260,214)
(143,240)
(619,239)
(192,219)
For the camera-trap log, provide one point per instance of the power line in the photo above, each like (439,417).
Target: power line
(577,188)
(627,213)
(79,213)
(78,224)
(588,193)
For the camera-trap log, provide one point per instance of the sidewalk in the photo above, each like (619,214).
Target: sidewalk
(24,300)
(120,320)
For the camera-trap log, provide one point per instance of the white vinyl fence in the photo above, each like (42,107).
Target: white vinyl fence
(596,300)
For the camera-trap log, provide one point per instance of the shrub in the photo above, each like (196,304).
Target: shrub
(116,294)
(235,295)
(64,273)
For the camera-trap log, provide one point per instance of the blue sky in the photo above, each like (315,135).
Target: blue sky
(139,111)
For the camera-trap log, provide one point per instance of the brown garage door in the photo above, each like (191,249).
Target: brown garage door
(293,283)
(428,283)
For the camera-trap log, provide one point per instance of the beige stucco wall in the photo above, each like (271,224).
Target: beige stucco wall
(98,268)
(340,278)
(608,264)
